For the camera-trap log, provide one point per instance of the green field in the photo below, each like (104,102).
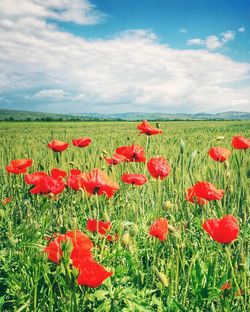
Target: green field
(183,273)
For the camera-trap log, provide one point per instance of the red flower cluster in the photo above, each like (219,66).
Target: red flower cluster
(219,153)
(132,153)
(45,184)
(224,230)
(82,142)
(159,229)
(91,273)
(100,227)
(203,192)
(240,142)
(137,179)
(158,167)
(18,166)
(146,128)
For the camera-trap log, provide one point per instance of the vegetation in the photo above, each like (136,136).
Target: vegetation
(183,273)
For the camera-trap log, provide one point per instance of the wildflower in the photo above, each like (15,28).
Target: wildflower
(137,179)
(159,229)
(58,146)
(82,142)
(158,167)
(18,166)
(240,142)
(132,153)
(219,154)
(146,128)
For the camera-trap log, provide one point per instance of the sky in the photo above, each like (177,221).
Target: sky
(115,56)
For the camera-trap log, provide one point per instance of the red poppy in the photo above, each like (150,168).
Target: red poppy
(81,243)
(57,173)
(100,227)
(34,178)
(7,200)
(58,146)
(146,128)
(137,179)
(190,196)
(207,191)
(219,153)
(226,286)
(240,142)
(45,184)
(132,153)
(92,274)
(82,142)
(158,167)
(97,182)
(18,166)
(159,229)
(116,159)
(74,179)
(224,230)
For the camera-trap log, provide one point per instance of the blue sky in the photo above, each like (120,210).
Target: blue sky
(174,21)
(123,55)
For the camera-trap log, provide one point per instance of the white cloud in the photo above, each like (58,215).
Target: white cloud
(195,41)
(213,42)
(242,29)
(228,36)
(131,72)
(51,93)
(77,11)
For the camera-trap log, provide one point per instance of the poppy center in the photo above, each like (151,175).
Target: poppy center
(96,190)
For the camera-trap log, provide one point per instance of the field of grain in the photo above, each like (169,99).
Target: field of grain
(185,272)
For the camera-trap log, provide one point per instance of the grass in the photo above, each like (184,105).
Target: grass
(184,273)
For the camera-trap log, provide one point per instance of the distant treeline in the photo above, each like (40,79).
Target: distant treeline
(52,119)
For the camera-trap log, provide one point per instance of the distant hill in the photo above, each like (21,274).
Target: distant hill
(18,115)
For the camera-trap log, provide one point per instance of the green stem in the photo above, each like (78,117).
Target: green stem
(234,277)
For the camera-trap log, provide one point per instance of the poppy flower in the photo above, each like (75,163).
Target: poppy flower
(240,142)
(7,200)
(207,191)
(18,166)
(137,179)
(97,182)
(81,243)
(159,229)
(132,153)
(58,146)
(91,273)
(116,159)
(100,227)
(74,179)
(219,153)
(82,142)
(224,230)
(226,286)
(57,173)
(34,178)
(191,197)
(158,167)
(45,184)
(146,128)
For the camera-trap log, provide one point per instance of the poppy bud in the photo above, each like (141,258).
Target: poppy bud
(226,164)
(134,230)
(182,146)
(163,278)
(220,138)
(167,205)
(126,239)
(228,174)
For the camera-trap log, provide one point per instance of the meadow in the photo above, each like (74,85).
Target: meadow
(185,272)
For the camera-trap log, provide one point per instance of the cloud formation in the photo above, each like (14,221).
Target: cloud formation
(213,42)
(53,70)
